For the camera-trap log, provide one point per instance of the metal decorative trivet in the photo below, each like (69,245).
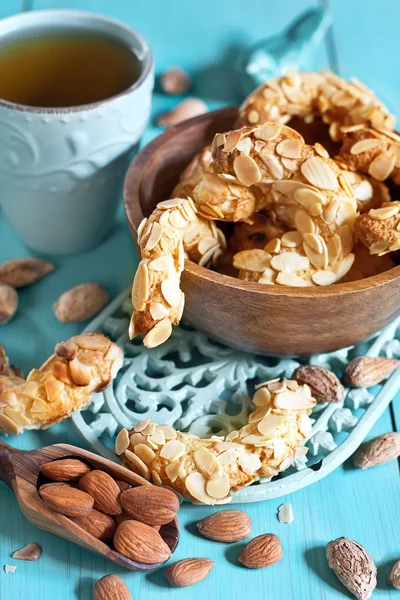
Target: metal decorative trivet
(196,384)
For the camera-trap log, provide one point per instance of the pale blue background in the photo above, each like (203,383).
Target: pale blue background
(204,37)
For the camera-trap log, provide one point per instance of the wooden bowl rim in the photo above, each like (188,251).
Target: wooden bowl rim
(135,216)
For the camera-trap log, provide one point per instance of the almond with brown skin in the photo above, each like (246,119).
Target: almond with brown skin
(324,385)
(111,587)
(226,526)
(141,543)
(65,469)
(66,500)
(353,566)
(394,576)
(187,109)
(380,450)
(30,552)
(80,303)
(97,524)
(123,485)
(8,303)
(175,81)
(367,371)
(150,504)
(263,551)
(188,572)
(104,489)
(24,271)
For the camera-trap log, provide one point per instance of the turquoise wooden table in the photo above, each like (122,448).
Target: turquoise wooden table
(205,37)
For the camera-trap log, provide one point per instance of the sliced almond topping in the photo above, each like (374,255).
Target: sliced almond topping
(364,145)
(273,246)
(158,437)
(321,150)
(287,187)
(158,311)
(222,446)
(170,203)
(122,442)
(244,145)
(277,386)
(343,267)
(324,277)
(141,287)
(206,462)
(171,291)
(177,219)
(315,241)
(363,191)
(219,485)
(196,485)
(268,277)
(289,164)
(154,237)
(290,279)
(259,414)
(169,432)
(232,436)
(208,256)
(289,148)
(252,260)
(270,424)
(311,200)
(141,426)
(262,397)
(382,166)
(290,262)
(232,139)
(317,259)
(137,438)
(140,229)
(161,263)
(273,165)
(172,470)
(159,334)
(227,457)
(319,173)
(206,244)
(253,116)
(334,245)
(250,463)
(293,400)
(246,170)
(172,450)
(381,214)
(291,239)
(301,451)
(254,438)
(303,222)
(268,131)
(145,453)
(346,238)
(192,233)
(149,429)
(139,465)
(8,425)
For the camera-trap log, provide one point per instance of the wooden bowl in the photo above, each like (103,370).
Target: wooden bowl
(272,320)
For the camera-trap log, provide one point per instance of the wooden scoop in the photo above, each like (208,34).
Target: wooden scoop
(20,470)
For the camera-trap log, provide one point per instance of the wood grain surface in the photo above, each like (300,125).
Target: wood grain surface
(204,37)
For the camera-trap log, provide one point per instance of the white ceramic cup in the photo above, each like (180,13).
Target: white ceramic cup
(62,169)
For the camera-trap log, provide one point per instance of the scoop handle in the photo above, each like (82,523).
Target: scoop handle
(7,473)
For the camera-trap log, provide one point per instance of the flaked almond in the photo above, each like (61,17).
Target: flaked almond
(188,571)
(99,525)
(150,504)
(189,108)
(66,500)
(353,566)
(24,271)
(263,551)
(175,81)
(226,526)
(141,542)
(367,371)
(111,587)
(380,450)
(104,490)
(324,385)
(30,552)
(394,576)
(80,303)
(65,469)
(8,303)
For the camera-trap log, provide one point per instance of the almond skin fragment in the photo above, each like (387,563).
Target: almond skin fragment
(150,504)
(104,490)
(353,566)
(188,571)
(24,271)
(8,303)
(263,551)
(226,526)
(97,524)
(141,542)
(367,371)
(394,576)
(80,303)
(111,587)
(30,552)
(66,500)
(324,385)
(65,469)
(380,450)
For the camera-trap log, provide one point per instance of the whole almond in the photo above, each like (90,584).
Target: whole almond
(111,587)
(175,81)
(30,552)
(263,551)
(189,108)
(226,526)
(80,303)
(65,469)
(123,485)
(353,566)
(66,500)
(97,524)
(188,571)
(378,451)
(104,489)
(8,303)
(394,576)
(324,385)
(141,543)
(24,271)
(367,371)
(150,504)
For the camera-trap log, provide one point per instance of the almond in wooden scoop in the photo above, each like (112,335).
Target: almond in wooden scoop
(141,543)
(263,551)
(66,500)
(188,572)
(150,504)
(111,587)
(105,491)
(226,526)
(97,524)
(65,469)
